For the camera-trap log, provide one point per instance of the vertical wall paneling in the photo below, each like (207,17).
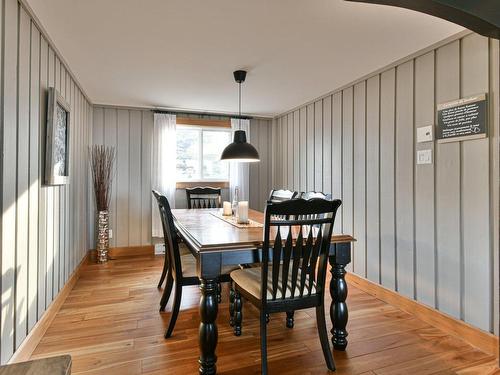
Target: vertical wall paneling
(73,184)
(404,179)
(310,147)
(264,185)
(449,245)
(424,185)
(147,150)
(494,115)
(387,179)
(62,200)
(318,145)
(22,213)
(134,203)
(254,167)
(110,135)
(347,165)
(122,178)
(303,148)
(296,150)
(36,219)
(359,185)
(476,197)
(56,201)
(372,179)
(428,231)
(327,145)
(43,194)
(10,29)
(337,157)
(284,138)
(49,211)
(133,131)
(34,181)
(290,159)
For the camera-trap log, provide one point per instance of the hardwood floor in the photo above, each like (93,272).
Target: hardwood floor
(110,324)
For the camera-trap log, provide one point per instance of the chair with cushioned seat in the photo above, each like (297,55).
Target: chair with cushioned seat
(181,269)
(293,270)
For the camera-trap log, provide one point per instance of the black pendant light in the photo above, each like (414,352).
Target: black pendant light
(240,150)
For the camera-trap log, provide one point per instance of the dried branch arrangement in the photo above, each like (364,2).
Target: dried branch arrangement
(101,165)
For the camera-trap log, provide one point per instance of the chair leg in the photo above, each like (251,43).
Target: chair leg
(231,305)
(263,343)
(238,313)
(167,291)
(163,272)
(323,337)
(175,309)
(219,292)
(289,319)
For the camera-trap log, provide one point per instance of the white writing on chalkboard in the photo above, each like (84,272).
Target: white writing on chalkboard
(462,118)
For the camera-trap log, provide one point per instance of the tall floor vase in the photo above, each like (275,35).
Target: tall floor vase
(102,236)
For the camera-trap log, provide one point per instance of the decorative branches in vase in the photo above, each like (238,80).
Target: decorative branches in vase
(101,165)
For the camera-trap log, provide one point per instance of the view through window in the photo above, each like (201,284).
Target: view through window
(198,154)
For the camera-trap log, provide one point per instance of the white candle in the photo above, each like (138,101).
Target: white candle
(243,212)
(227,210)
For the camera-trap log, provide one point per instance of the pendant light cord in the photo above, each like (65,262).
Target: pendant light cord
(239,106)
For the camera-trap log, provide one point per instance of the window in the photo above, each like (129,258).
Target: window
(198,154)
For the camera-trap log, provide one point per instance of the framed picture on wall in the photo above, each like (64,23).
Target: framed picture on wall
(57,139)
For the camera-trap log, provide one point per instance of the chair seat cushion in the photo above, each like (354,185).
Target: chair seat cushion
(249,279)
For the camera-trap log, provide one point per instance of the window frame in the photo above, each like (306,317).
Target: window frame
(200,129)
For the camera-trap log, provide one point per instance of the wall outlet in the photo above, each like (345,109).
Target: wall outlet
(110,232)
(159,249)
(424,156)
(424,134)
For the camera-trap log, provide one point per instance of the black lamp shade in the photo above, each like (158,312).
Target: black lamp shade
(240,150)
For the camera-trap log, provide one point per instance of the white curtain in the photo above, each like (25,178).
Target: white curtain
(164,159)
(239,172)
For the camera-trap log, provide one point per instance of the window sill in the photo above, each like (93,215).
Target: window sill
(192,184)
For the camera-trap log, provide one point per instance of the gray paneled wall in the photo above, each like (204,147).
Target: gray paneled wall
(131,132)
(425,231)
(43,230)
(260,173)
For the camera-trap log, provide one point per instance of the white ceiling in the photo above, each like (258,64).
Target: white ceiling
(181,53)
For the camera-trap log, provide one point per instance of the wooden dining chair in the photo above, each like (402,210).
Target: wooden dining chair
(181,269)
(165,260)
(294,265)
(203,197)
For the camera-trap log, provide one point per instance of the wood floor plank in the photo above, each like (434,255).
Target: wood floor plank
(110,324)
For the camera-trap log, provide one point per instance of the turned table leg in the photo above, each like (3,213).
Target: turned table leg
(338,291)
(208,326)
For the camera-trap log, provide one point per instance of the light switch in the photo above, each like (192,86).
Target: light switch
(424,134)
(424,156)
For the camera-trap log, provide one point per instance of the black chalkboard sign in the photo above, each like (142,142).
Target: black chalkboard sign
(462,119)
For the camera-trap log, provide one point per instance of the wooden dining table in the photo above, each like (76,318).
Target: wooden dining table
(215,243)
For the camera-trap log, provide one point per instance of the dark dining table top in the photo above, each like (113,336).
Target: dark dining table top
(207,232)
